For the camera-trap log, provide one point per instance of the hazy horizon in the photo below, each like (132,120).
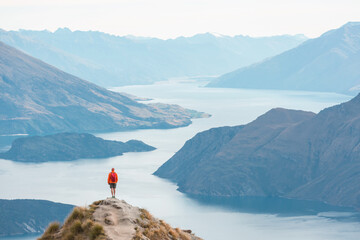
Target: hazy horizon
(149,37)
(170,19)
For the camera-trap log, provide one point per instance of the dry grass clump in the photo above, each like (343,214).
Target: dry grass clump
(79,225)
(153,229)
(97,232)
(51,230)
(76,227)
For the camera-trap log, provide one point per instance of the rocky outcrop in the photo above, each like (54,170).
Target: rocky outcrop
(24,216)
(329,63)
(283,153)
(114,219)
(69,146)
(37,98)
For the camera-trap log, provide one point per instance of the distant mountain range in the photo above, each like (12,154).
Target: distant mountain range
(283,153)
(109,60)
(69,146)
(24,216)
(37,98)
(328,63)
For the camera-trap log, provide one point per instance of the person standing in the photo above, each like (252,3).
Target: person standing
(112,180)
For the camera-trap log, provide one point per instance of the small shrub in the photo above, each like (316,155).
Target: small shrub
(96,231)
(138,235)
(159,234)
(173,234)
(91,211)
(145,214)
(184,236)
(50,231)
(97,202)
(78,213)
(153,224)
(53,227)
(69,236)
(167,226)
(87,224)
(93,206)
(147,232)
(76,227)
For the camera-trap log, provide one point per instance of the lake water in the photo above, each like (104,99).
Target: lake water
(84,181)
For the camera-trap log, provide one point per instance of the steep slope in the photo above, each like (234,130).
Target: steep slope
(69,146)
(114,219)
(282,153)
(328,63)
(37,98)
(24,216)
(110,60)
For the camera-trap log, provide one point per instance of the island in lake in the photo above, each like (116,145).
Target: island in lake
(69,146)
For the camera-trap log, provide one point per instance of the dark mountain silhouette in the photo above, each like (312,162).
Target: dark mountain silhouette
(37,98)
(110,60)
(69,146)
(283,153)
(328,63)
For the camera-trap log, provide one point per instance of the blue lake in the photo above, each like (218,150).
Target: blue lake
(84,181)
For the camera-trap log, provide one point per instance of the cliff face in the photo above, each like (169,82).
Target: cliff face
(37,98)
(69,146)
(114,219)
(328,63)
(24,216)
(282,153)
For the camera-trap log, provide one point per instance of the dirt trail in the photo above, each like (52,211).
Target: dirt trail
(118,218)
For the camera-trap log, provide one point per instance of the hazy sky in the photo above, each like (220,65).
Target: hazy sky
(171,18)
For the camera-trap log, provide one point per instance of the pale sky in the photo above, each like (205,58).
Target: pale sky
(172,18)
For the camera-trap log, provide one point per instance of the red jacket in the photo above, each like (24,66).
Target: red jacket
(109,178)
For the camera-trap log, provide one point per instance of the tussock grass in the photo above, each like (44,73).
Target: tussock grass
(79,225)
(76,227)
(69,236)
(174,234)
(87,224)
(51,230)
(78,213)
(97,203)
(97,231)
(153,229)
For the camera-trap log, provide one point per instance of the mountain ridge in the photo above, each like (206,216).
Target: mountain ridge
(111,61)
(304,156)
(37,98)
(327,63)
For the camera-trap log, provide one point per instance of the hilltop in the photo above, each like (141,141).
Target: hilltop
(114,219)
